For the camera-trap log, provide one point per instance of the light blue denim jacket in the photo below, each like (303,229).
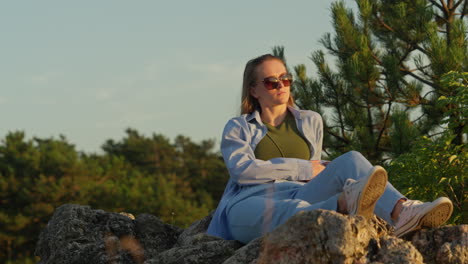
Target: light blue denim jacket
(240,137)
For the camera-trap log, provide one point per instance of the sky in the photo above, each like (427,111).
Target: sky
(90,69)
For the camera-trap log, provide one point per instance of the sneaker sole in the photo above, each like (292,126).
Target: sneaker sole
(436,216)
(372,191)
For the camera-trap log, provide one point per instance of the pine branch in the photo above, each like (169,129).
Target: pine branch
(340,115)
(455,6)
(418,78)
(417,119)
(385,87)
(436,4)
(370,123)
(337,126)
(337,136)
(403,58)
(407,70)
(382,23)
(325,150)
(420,49)
(375,57)
(441,18)
(436,134)
(422,70)
(424,96)
(445,7)
(387,115)
(357,104)
(464,10)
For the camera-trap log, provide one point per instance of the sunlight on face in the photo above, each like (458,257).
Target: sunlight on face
(274,97)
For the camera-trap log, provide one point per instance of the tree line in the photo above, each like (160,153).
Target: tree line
(178,181)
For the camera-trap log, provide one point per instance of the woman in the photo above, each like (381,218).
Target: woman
(273,151)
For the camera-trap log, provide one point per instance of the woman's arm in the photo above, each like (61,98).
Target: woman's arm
(245,169)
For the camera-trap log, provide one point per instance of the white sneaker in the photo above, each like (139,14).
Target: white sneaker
(362,195)
(416,214)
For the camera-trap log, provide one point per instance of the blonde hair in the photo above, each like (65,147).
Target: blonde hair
(248,102)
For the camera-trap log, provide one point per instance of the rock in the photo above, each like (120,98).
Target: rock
(447,244)
(155,235)
(196,233)
(211,252)
(322,236)
(389,249)
(78,234)
(246,254)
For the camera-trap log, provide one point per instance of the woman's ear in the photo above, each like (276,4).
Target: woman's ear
(253,92)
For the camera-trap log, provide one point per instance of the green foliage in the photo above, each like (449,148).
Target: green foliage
(434,168)
(383,85)
(177,182)
(456,104)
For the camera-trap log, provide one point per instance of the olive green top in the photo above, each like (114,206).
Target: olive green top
(283,141)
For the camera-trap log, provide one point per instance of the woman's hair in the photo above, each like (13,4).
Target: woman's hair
(248,102)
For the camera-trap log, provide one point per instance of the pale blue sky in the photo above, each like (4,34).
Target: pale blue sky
(90,69)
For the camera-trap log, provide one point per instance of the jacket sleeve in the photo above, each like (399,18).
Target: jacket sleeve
(315,123)
(245,169)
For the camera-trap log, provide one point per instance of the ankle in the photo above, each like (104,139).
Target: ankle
(397,209)
(341,204)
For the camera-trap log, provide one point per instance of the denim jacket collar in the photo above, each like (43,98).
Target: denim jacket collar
(256,115)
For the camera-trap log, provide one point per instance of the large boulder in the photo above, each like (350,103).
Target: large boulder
(447,244)
(322,236)
(78,234)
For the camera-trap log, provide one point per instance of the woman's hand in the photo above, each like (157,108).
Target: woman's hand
(317,167)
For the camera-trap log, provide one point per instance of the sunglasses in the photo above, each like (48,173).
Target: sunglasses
(274,83)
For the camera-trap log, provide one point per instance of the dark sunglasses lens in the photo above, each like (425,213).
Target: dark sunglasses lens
(271,83)
(286,79)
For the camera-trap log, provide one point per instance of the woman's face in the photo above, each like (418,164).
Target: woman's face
(274,97)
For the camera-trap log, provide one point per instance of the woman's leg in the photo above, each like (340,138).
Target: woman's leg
(330,182)
(257,215)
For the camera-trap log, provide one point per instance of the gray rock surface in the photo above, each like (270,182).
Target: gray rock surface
(447,244)
(154,235)
(78,234)
(322,236)
(388,249)
(196,233)
(209,252)
(246,254)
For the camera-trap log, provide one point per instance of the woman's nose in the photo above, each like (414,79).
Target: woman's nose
(280,85)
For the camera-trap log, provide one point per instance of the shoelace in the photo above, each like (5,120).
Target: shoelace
(349,182)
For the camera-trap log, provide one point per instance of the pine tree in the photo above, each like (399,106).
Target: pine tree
(382,88)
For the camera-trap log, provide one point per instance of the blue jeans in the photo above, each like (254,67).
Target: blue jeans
(260,208)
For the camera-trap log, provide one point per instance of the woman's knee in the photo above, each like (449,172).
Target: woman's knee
(351,159)
(354,155)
